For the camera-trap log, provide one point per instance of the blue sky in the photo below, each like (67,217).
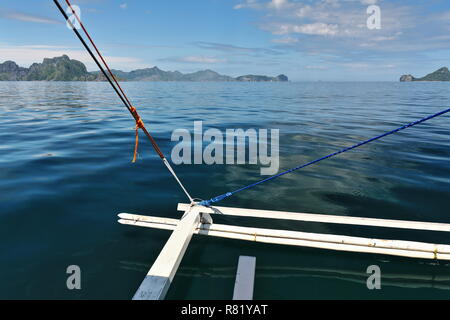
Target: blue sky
(306,40)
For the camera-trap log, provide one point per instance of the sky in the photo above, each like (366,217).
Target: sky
(308,40)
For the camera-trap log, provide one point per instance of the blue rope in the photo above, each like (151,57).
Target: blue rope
(229,194)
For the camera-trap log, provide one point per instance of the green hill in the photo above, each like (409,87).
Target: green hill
(55,69)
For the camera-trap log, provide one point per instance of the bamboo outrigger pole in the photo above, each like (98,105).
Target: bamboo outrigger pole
(412,249)
(119,92)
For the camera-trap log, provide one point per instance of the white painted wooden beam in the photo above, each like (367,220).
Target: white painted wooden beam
(245,278)
(312,240)
(310,217)
(160,276)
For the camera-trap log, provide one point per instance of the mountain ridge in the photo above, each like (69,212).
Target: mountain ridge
(65,69)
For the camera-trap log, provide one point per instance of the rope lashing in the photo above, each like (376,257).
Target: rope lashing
(139,125)
(229,194)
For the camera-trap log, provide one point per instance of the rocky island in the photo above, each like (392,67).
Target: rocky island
(251,77)
(443,74)
(65,69)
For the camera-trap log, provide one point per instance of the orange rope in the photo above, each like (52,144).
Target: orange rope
(139,125)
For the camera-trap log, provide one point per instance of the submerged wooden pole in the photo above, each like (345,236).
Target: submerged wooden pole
(245,278)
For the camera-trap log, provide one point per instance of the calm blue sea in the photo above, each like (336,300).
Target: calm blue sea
(66,172)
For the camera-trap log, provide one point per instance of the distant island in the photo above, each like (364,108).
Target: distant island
(443,74)
(65,69)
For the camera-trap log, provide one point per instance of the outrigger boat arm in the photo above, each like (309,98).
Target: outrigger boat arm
(197,220)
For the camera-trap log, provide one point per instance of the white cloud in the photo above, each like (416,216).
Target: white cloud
(278,4)
(317,28)
(342,23)
(356,65)
(285,40)
(304,11)
(26,17)
(272,4)
(385,38)
(123,5)
(369,2)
